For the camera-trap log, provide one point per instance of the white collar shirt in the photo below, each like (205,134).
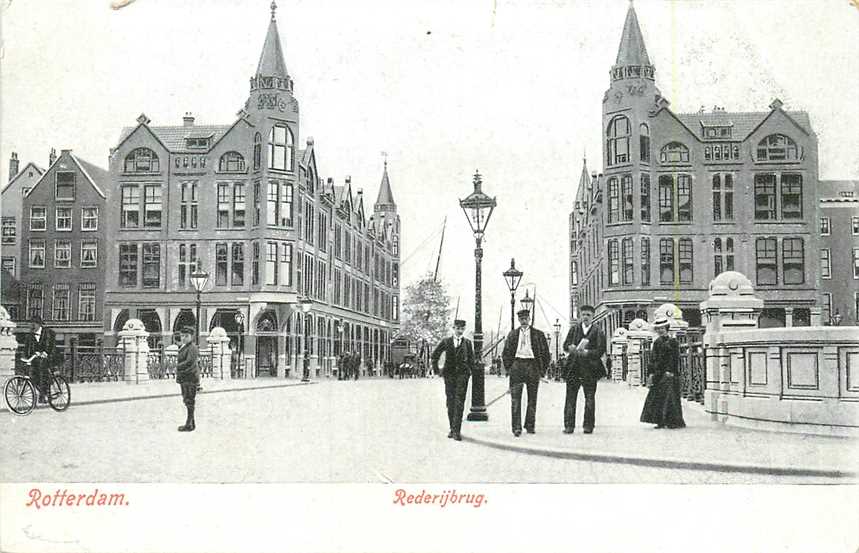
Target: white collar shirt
(524,349)
(585,329)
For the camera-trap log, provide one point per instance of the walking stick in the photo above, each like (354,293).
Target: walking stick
(499,397)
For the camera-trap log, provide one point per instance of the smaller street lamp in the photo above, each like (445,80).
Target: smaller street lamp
(199,278)
(304,305)
(528,303)
(512,276)
(557,327)
(240,321)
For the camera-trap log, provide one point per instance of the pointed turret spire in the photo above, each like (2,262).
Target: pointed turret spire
(632,59)
(271,70)
(385,200)
(585,178)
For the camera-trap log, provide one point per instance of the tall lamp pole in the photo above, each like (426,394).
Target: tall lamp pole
(528,303)
(557,326)
(512,276)
(199,278)
(478,208)
(304,305)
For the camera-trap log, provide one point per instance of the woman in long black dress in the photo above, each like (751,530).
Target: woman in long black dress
(662,406)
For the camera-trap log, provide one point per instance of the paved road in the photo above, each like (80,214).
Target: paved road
(364,431)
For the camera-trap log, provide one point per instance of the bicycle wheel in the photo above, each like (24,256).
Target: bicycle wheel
(20,395)
(59,396)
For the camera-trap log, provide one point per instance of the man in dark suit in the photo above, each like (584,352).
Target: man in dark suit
(458,363)
(41,349)
(188,375)
(585,344)
(526,358)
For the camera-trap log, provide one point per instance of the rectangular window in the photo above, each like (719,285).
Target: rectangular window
(791,196)
(825,264)
(613,201)
(238,266)
(221,264)
(37,254)
(684,198)
(187,263)
(130,207)
(645,198)
(35,301)
(188,208)
(628,266)
(89,218)
(337,240)
(151,265)
(626,198)
(62,254)
(286,264)
(8,264)
(766,261)
(729,197)
(65,186)
(152,206)
(396,308)
(60,304)
(855,262)
(128,265)
(308,275)
(9,232)
(86,301)
(224,205)
(63,219)
(255,264)
(38,218)
(856,306)
(793,260)
(322,238)
(765,205)
(666,198)
(272,217)
(89,254)
(824,226)
(613,263)
(286,205)
(685,260)
(238,205)
(855,223)
(271,264)
(645,261)
(666,261)
(308,223)
(256,204)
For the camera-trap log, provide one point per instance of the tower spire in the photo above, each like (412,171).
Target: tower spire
(385,200)
(632,59)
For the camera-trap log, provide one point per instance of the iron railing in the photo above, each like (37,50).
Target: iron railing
(692,365)
(91,364)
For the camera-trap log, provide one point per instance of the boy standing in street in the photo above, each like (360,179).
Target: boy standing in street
(188,375)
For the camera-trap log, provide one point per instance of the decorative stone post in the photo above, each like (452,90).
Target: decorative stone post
(619,349)
(8,347)
(219,344)
(732,305)
(133,338)
(639,335)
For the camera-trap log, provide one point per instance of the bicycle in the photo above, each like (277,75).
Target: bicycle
(20,392)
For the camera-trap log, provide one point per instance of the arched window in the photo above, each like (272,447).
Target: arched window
(617,140)
(674,152)
(281,148)
(777,147)
(231,162)
(310,183)
(142,160)
(257,151)
(644,142)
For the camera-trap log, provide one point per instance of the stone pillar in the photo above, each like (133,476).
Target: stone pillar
(619,349)
(282,357)
(133,339)
(816,316)
(219,345)
(639,335)
(8,347)
(731,305)
(788,317)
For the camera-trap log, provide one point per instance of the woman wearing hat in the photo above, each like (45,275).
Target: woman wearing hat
(188,375)
(662,406)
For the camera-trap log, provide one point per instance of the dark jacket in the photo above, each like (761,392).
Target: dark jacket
(457,361)
(538,344)
(587,364)
(47,343)
(187,371)
(664,357)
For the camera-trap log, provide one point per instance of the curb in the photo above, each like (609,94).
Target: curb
(172,394)
(665,462)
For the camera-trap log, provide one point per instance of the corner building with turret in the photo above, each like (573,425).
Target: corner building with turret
(686,196)
(244,203)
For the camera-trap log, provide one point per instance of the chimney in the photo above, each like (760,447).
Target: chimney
(52,157)
(13,165)
(188,120)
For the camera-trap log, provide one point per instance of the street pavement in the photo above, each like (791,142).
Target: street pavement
(383,430)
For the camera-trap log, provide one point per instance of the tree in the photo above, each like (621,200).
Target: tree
(426,311)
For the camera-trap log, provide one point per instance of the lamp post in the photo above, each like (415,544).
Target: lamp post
(478,208)
(240,321)
(199,278)
(512,276)
(304,305)
(557,326)
(528,303)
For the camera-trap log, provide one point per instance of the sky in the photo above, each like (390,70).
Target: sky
(512,88)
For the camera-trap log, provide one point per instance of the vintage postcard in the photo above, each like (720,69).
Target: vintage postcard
(301,275)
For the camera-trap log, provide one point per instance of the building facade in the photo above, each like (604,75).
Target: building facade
(63,248)
(684,197)
(839,251)
(246,205)
(19,184)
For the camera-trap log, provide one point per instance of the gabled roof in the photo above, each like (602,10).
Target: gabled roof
(271,62)
(173,138)
(38,169)
(742,123)
(632,50)
(97,177)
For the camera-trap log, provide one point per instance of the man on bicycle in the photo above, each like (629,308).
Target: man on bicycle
(41,348)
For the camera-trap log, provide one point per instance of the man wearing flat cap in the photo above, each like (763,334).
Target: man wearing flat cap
(188,375)
(526,358)
(585,345)
(458,362)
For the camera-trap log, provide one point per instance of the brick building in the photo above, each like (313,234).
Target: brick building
(19,184)
(839,251)
(685,196)
(63,246)
(244,203)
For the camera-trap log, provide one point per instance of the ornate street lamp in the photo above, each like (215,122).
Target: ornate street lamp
(478,208)
(199,278)
(528,303)
(240,322)
(557,326)
(512,276)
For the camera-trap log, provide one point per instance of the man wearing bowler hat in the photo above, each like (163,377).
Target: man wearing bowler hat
(585,344)
(458,362)
(526,358)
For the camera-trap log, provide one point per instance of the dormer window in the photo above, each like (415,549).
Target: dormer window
(65,186)
(231,162)
(197,142)
(777,147)
(142,160)
(674,152)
